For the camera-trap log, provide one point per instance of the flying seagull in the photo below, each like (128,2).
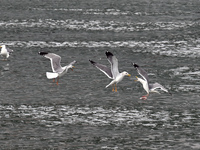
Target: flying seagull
(113,72)
(5,52)
(145,82)
(57,69)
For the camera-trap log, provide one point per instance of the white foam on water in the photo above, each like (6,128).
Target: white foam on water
(166,48)
(180,70)
(189,79)
(63,115)
(109,11)
(96,116)
(95,25)
(89,11)
(192,73)
(186,73)
(188,88)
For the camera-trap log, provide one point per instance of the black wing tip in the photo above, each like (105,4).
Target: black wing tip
(42,53)
(108,54)
(170,93)
(135,65)
(92,62)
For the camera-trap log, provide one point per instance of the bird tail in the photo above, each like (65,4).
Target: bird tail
(51,75)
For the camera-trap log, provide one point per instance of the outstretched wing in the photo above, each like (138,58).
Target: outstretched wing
(156,85)
(9,50)
(103,68)
(55,60)
(142,72)
(114,64)
(73,62)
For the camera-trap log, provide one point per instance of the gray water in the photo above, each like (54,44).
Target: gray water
(80,113)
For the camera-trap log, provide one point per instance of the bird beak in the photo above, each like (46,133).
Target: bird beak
(129,75)
(72,68)
(137,79)
(0,46)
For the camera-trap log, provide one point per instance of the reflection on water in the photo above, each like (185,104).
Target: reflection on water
(6,67)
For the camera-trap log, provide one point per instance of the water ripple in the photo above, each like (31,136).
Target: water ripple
(189,79)
(189,48)
(96,116)
(89,11)
(96,25)
(112,11)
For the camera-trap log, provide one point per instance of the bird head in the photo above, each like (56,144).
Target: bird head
(2,46)
(126,74)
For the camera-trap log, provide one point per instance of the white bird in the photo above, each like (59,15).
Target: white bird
(5,52)
(113,72)
(57,69)
(145,82)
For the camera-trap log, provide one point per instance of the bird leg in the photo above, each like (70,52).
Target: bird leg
(144,97)
(57,80)
(115,87)
(54,80)
(72,68)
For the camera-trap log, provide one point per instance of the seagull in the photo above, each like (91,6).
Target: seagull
(145,82)
(57,69)
(5,51)
(113,72)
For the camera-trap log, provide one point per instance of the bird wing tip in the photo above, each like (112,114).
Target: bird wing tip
(42,53)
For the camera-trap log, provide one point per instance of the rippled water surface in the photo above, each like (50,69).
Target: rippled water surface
(80,113)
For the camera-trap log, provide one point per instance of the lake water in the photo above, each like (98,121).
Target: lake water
(80,113)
